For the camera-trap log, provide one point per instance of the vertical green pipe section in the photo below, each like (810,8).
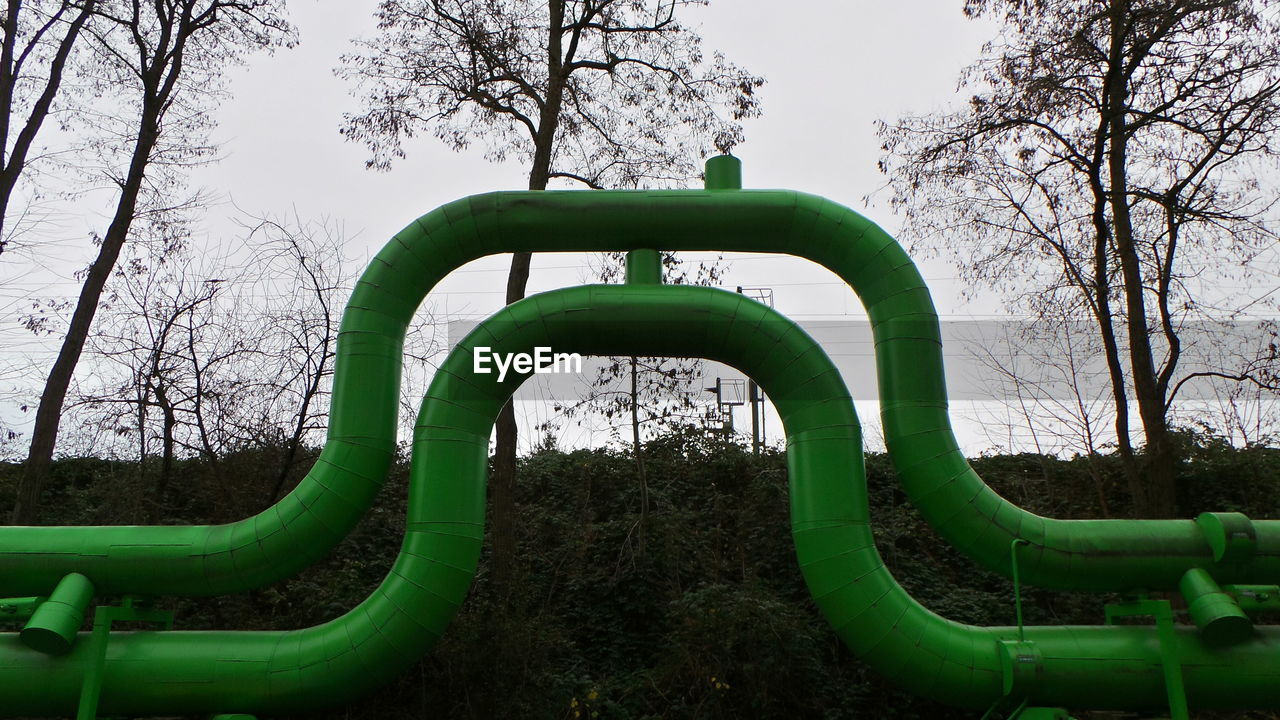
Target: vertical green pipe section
(94,666)
(722,172)
(644,267)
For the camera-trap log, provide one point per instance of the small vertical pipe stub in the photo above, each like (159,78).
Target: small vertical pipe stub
(1220,619)
(54,624)
(722,172)
(644,267)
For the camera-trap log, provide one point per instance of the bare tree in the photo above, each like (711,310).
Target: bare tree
(152,313)
(166,59)
(1048,374)
(1105,165)
(606,93)
(39,38)
(306,258)
(207,355)
(1245,409)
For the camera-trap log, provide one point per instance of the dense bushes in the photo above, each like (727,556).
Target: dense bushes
(699,613)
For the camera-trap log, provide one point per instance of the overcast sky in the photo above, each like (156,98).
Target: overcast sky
(832,71)
(833,68)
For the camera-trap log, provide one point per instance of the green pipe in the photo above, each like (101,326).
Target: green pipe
(1048,666)
(1104,555)
(1255,598)
(1117,667)
(644,267)
(18,609)
(53,625)
(723,172)
(1212,610)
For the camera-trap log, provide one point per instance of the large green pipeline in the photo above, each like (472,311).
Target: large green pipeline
(1076,554)
(188,672)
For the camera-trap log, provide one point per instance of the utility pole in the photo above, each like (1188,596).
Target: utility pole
(754,396)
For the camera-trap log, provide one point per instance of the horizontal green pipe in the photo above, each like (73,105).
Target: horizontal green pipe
(1074,554)
(264,672)
(19,609)
(1255,598)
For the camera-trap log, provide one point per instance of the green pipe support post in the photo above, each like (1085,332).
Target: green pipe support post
(54,623)
(131,609)
(1170,655)
(1106,667)
(644,267)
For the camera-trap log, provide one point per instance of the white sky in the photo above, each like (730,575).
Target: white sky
(832,72)
(833,67)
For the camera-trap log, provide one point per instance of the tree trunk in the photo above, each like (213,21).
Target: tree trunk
(44,436)
(13,162)
(503,481)
(1103,312)
(1154,491)
(169,424)
(638,451)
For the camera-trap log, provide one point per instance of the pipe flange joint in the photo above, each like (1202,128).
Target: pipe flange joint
(1231,536)
(1021,665)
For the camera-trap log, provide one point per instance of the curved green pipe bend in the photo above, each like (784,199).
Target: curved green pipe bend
(1114,555)
(262,672)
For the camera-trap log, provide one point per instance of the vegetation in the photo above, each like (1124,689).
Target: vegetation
(711,620)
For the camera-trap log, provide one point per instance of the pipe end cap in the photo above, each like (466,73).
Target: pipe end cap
(45,641)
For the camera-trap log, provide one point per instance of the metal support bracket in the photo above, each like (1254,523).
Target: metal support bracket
(1163,614)
(131,609)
